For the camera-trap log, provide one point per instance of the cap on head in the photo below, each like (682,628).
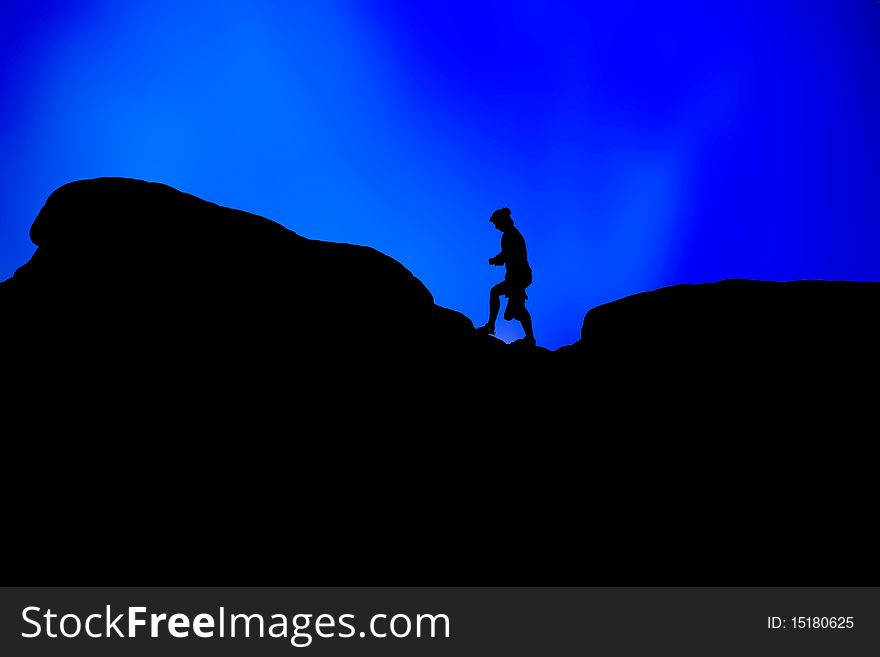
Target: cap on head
(501,217)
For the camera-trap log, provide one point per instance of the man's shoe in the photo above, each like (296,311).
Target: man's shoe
(486,329)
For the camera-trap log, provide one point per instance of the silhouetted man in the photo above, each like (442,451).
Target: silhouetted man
(518,277)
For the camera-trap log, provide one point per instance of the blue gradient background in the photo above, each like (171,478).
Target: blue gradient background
(639,144)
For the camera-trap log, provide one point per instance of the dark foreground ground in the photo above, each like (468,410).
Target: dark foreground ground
(184,404)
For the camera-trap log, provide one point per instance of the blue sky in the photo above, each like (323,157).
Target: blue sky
(639,144)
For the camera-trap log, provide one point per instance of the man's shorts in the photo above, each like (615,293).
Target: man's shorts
(516,300)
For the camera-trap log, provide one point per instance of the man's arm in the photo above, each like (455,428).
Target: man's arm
(497,260)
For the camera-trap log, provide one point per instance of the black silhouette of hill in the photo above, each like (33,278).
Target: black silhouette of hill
(195,365)
(187,274)
(804,334)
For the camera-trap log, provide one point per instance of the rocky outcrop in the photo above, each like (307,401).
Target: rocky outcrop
(220,373)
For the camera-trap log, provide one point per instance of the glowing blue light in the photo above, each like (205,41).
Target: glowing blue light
(639,144)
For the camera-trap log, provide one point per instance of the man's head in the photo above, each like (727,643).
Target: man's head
(501,219)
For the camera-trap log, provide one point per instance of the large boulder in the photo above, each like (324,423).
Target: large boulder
(125,260)
(737,334)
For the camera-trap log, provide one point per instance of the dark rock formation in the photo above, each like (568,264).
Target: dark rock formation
(735,318)
(806,336)
(124,260)
(198,365)
(147,290)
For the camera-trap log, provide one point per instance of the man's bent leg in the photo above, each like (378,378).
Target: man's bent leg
(494,303)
